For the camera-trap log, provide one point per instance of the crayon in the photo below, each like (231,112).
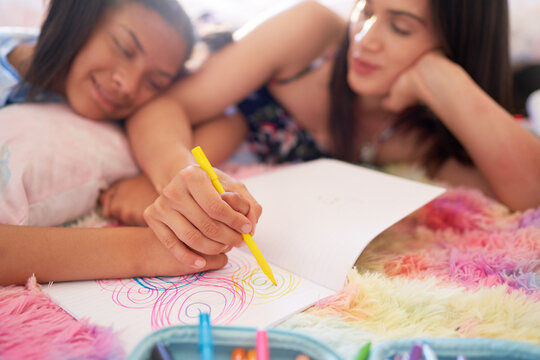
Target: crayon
(160,352)
(251,355)
(203,162)
(363,353)
(206,346)
(239,354)
(261,345)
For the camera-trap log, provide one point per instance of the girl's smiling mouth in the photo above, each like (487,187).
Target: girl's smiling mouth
(103,98)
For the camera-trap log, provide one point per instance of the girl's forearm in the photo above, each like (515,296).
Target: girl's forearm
(160,136)
(505,153)
(60,254)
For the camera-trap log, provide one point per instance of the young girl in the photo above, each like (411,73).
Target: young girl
(411,81)
(105,58)
(104,72)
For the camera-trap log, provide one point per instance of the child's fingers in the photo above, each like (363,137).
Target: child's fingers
(105,199)
(175,247)
(206,196)
(188,231)
(236,202)
(186,220)
(175,268)
(215,261)
(192,224)
(255,209)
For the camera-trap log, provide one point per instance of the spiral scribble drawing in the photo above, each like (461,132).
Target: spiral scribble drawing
(225,293)
(247,278)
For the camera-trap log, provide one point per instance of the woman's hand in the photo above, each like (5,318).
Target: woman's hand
(411,87)
(191,217)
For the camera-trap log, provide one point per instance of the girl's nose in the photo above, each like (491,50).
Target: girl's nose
(368,35)
(126,82)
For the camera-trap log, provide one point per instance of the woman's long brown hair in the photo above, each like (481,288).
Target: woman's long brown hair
(474,35)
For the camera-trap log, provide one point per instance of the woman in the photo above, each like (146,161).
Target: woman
(98,57)
(414,81)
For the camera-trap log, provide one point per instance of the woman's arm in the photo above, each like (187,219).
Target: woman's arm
(189,210)
(62,254)
(219,138)
(278,47)
(506,154)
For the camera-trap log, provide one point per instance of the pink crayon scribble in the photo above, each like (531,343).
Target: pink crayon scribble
(226,293)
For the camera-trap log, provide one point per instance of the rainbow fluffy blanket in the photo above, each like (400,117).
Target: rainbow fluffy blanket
(461,266)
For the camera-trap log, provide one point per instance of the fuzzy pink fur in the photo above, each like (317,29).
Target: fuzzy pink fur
(34,327)
(466,238)
(462,237)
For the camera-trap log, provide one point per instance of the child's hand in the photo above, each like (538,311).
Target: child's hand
(153,259)
(127,199)
(191,216)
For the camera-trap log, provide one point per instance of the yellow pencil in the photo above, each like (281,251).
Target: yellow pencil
(206,166)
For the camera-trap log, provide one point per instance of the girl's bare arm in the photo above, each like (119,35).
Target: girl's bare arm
(63,254)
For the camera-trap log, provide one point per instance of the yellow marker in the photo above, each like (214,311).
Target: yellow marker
(206,166)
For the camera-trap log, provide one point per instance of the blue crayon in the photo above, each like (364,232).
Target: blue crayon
(206,346)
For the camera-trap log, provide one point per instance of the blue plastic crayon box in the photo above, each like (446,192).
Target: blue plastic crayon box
(451,348)
(182,342)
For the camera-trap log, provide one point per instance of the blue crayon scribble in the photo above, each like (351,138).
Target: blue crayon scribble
(167,284)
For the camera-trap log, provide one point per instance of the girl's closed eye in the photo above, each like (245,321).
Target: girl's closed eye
(157,84)
(123,49)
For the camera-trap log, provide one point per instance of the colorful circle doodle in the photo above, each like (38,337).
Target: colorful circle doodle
(140,293)
(168,283)
(225,294)
(264,291)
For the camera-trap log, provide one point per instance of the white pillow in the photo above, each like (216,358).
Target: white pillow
(53,163)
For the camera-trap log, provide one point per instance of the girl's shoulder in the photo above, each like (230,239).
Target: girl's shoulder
(22,32)
(10,38)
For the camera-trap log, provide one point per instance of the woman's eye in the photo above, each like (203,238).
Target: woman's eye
(400,30)
(124,51)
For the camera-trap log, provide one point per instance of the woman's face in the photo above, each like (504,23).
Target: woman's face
(386,37)
(130,57)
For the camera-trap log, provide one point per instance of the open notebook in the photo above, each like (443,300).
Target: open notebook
(317,219)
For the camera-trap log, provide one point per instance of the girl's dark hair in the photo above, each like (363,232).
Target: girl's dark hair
(69,24)
(473,34)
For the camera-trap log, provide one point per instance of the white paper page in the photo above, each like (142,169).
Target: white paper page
(319,216)
(239,294)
